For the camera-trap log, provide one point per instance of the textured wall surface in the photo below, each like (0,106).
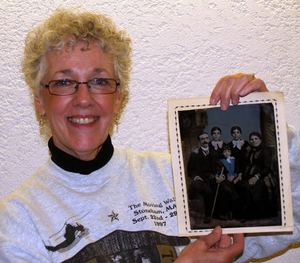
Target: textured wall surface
(180,49)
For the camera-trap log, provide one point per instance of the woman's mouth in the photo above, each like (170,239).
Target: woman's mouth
(82,120)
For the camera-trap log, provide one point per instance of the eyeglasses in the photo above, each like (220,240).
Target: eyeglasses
(63,87)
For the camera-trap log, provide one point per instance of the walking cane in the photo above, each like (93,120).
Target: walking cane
(216,195)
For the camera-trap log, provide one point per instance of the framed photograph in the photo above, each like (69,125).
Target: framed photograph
(231,168)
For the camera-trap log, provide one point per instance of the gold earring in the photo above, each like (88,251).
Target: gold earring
(41,119)
(41,123)
(117,122)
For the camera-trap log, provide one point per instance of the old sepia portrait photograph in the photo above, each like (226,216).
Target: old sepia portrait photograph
(231,168)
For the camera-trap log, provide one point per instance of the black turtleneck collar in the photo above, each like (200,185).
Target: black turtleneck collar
(72,164)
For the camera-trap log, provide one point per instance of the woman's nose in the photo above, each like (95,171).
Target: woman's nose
(83,96)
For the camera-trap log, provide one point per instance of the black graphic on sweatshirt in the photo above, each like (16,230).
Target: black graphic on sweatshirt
(134,247)
(72,233)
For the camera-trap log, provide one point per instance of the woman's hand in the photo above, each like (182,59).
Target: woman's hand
(230,178)
(239,177)
(232,87)
(253,180)
(214,247)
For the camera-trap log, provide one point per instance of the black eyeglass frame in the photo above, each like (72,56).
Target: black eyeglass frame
(78,83)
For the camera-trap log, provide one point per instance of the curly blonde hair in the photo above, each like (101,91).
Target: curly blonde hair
(64,28)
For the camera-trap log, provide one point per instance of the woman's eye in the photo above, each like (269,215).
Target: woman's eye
(63,82)
(99,81)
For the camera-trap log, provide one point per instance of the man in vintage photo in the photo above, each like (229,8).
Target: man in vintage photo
(201,169)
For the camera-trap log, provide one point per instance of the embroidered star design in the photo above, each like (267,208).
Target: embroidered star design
(113,216)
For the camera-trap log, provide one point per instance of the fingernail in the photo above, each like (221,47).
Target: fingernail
(223,106)
(217,229)
(212,101)
(242,93)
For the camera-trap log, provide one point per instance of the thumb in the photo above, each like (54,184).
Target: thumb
(214,237)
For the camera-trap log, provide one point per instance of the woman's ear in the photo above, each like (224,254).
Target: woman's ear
(39,105)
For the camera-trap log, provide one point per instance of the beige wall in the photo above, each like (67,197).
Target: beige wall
(181,48)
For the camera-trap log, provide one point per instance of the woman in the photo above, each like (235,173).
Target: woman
(91,202)
(238,146)
(216,143)
(258,167)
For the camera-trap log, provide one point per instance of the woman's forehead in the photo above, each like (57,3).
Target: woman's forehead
(78,59)
(80,49)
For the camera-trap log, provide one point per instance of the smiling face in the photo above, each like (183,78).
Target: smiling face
(80,123)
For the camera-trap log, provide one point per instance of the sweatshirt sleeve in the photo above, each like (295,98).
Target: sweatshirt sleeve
(19,240)
(260,246)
